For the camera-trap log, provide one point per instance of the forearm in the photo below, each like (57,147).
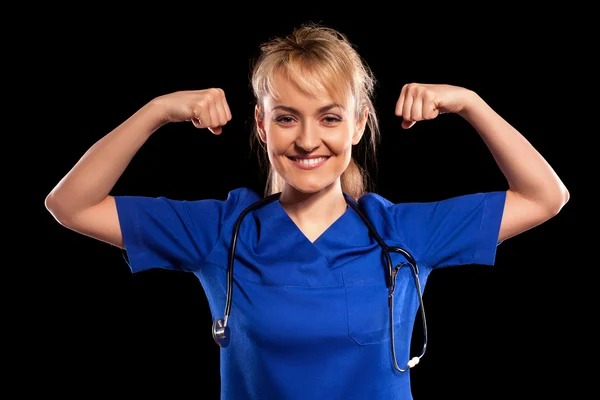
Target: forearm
(95,174)
(526,171)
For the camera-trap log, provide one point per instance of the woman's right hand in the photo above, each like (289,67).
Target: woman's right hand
(206,108)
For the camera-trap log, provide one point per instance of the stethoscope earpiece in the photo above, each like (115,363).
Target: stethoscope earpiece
(220,332)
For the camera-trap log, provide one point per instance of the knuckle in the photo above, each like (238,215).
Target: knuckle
(215,93)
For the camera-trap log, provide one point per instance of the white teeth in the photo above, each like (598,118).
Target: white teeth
(310,161)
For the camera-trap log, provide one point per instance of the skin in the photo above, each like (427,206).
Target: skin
(535,192)
(299,126)
(312,198)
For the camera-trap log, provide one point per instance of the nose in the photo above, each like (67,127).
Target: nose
(308,138)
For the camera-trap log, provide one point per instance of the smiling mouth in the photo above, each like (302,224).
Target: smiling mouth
(308,163)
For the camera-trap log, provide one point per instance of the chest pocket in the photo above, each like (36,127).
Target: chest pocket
(368,309)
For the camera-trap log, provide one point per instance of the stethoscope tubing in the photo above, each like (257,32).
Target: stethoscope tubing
(220,326)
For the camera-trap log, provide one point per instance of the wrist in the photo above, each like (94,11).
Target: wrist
(156,114)
(471,103)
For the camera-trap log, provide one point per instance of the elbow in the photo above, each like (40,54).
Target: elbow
(547,203)
(565,196)
(558,200)
(50,203)
(55,207)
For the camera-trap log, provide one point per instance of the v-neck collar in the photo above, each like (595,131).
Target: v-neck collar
(335,244)
(338,221)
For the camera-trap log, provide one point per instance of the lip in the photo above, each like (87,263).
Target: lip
(308,166)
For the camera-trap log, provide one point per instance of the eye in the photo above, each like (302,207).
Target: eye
(284,119)
(331,119)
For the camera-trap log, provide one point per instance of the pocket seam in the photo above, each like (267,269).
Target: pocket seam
(355,328)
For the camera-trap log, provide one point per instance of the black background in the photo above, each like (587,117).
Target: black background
(493,331)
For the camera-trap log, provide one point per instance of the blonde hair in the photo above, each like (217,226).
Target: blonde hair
(320,58)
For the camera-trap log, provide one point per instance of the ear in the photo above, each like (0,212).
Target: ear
(260,124)
(360,127)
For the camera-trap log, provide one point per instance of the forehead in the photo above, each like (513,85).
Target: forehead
(307,93)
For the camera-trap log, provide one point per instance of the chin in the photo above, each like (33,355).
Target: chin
(310,187)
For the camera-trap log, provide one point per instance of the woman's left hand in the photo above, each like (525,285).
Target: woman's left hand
(419,102)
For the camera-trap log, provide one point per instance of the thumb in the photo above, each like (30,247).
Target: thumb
(216,130)
(406,124)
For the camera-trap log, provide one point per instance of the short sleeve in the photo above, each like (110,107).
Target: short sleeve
(172,234)
(456,231)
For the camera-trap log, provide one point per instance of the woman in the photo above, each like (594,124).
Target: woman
(307,311)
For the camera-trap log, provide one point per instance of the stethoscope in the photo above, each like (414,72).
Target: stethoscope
(220,329)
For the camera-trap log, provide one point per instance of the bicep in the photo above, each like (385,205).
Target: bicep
(520,214)
(100,222)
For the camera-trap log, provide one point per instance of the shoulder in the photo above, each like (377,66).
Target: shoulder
(375,202)
(456,230)
(377,206)
(242,197)
(203,209)
(370,200)
(230,204)
(238,197)
(430,214)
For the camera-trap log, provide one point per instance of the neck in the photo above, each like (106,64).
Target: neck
(321,207)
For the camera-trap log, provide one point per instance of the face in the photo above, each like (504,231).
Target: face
(309,138)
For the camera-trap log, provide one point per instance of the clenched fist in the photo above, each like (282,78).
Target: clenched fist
(206,108)
(420,102)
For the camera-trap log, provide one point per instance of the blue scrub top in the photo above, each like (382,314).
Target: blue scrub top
(310,320)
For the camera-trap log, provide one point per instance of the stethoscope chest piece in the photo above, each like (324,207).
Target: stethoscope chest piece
(220,333)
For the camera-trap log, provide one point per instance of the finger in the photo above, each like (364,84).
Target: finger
(197,122)
(227,110)
(214,115)
(201,118)
(226,106)
(400,102)
(416,111)
(430,112)
(428,107)
(407,106)
(406,124)
(221,108)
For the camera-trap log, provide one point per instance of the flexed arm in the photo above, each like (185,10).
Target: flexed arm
(81,200)
(535,192)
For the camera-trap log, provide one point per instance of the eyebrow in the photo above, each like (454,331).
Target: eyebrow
(320,110)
